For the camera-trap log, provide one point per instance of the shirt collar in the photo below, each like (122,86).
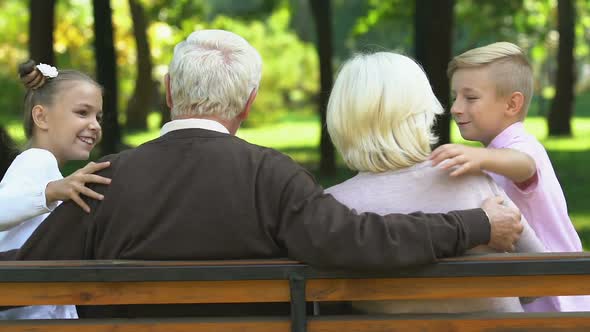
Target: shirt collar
(193,123)
(506,135)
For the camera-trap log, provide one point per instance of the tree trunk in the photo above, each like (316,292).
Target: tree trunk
(559,119)
(41,26)
(8,151)
(106,73)
(433,39)
(141,101)
(323,21)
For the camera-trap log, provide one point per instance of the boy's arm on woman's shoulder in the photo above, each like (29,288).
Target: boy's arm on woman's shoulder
(513,164)
(516,165)
(537,153)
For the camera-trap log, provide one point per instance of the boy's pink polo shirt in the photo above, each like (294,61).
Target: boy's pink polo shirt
(543,205)
(542,202)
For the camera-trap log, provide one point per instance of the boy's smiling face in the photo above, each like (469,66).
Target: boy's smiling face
(477,109)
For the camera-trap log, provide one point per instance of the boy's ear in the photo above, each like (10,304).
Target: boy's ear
(515,104)
(39,116)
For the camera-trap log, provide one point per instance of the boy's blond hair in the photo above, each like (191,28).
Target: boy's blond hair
(510,69)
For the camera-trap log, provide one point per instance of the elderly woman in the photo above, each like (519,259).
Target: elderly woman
(380,118)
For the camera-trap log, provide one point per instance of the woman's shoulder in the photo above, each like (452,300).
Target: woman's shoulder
(440,184)
(420,187)
(345,186)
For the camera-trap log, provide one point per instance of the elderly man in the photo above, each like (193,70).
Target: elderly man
(199,192)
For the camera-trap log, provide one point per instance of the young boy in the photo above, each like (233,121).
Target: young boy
(492,88)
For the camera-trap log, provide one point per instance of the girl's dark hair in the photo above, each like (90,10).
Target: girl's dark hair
(44,93)
(8,151)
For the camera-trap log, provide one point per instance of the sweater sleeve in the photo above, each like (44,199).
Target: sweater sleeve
(22,190)
(317,229)
(65,233)
(61,236)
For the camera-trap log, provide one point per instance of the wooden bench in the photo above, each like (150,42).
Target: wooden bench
(143,282)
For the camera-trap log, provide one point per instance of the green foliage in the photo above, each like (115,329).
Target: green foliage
(73,27)
(12,96)
(532,24)
(12,51)
(290,71)
(387,25)
(251,10)
(290,75)
(14,26)
(486,21)
(174,12)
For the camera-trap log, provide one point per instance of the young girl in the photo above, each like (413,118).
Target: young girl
(62,121)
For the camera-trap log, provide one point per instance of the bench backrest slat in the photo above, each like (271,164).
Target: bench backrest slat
(138,282)
(242,291)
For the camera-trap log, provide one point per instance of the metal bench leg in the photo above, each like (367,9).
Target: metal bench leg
(298,306)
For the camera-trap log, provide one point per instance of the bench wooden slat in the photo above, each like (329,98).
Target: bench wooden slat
(566,322)
(144,292)
(241,291)
(445,288)
(570,322)
(151,325)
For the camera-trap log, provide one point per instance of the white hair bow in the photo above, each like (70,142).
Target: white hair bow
(47,70)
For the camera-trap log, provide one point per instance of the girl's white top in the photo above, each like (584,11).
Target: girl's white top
(22,208)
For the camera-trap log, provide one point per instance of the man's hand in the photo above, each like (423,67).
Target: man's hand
(72,186)
(466,159)
(505,224)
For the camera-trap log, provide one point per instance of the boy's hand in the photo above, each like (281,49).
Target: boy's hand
(467,159)
(72,186)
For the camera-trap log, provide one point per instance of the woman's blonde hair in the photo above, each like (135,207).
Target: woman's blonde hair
(381,112)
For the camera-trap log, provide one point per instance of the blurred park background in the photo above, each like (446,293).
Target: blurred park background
(128,44)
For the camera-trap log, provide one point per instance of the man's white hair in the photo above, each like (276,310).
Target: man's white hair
(213,73)
(381,112)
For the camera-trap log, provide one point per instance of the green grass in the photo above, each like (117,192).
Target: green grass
(298,136)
